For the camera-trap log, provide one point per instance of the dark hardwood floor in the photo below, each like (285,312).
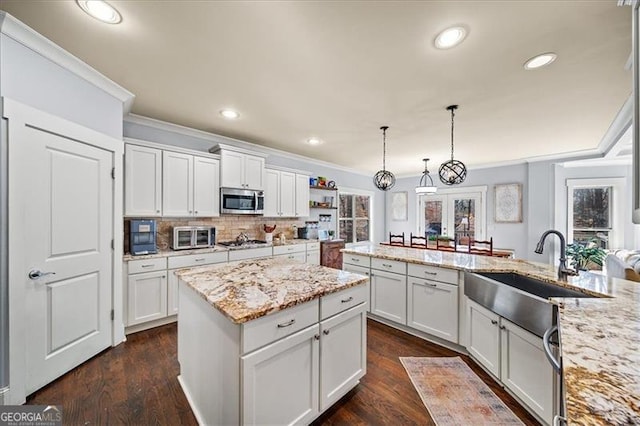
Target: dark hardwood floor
(135,383)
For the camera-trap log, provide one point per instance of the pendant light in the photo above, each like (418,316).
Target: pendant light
(383,179)
(426,185)
(452,172)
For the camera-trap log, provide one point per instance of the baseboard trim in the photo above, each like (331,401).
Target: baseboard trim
(187,394)
(151,324)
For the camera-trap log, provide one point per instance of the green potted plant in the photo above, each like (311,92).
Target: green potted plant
(583,254)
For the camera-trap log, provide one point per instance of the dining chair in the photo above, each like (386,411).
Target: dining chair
(416,241)
(481,246)
(396,240)
(445,243)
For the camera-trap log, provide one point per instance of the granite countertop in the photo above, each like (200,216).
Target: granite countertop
(600,336)
(247,290)
(169,253)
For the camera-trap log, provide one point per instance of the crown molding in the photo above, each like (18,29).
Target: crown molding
(21,33)
(219,139)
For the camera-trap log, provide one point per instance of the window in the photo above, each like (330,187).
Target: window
(355,221)
(456,213)
(592,214)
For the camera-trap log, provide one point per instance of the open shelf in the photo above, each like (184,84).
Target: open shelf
(323,208)
(324,188)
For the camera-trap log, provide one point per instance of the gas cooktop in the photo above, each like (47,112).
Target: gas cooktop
(245,244)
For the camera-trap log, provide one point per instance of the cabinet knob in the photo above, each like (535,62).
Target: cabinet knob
(494,322)
(157,211)
(196,212)
(317,337)
(502,327)
(325,332)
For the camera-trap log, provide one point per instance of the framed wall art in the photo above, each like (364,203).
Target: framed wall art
(399,211)
(508,203)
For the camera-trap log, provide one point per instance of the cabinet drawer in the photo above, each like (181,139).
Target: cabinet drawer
(433,273)
(272,327)
(250,253)
(293,248)
(313,246)
(197,259)
(389,266)
(332,304)
(356,259)
(147,265)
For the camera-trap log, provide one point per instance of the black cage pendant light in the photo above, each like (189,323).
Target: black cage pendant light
(452,172)
(383,179)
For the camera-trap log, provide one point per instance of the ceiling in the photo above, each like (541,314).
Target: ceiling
(340,70)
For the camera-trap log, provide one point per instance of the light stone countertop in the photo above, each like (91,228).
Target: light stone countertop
(600,336)
(250,289)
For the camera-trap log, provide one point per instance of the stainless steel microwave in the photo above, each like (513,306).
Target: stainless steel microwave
(190,237)
(241,201)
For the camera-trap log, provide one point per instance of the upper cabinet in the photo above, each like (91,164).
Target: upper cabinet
(143,181)
(286,194)
(178,183)
(240,169)
(190,185)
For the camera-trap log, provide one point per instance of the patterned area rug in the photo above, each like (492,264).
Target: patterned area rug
(454,395)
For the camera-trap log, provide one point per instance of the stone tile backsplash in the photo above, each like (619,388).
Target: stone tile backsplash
(227,227)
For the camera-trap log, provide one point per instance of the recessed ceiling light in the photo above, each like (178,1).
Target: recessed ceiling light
(229,114)
(314,141)
(101,10)
(540,61)
(450,37)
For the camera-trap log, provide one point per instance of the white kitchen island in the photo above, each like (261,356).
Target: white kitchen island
(269,341)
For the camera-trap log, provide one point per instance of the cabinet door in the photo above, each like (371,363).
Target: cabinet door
(525,369)
(231,169)
(287,194)
(296,257)
(362,270)
(483,336)
(280,382)
(272,193)
(389,296)
(313,257)
(206,187)
(254,172)
(177,184)
(147,297)
(343,359)
(302,196)
(172,293)
(142,181)
(433,308)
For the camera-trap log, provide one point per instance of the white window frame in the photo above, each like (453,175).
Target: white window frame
(357,191)
(616,237)
(477,192)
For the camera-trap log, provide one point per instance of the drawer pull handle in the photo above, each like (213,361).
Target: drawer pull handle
(386,265)
(355,260)
(286,324)
(347,300)
(325,332)
(494,322)
(430,273)
(146,266)
(433,285)
(200,259)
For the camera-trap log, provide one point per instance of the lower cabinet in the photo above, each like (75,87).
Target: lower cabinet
(389,295)
(280,382)
(362,271)
(432,307)
(515,356)
(313,257)
(147,297)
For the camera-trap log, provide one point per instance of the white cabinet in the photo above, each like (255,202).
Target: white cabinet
(343,357)
(190,185)
(280,382)
(525,370)
(279,194)
(484,336)
(389,295)
(313,257)
(147,297)
(143,181)
(433,308)
(302,195)
(514,356)
(252,253)
(241,170)
(362,270)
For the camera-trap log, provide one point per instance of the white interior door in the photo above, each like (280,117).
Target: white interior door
(66,203)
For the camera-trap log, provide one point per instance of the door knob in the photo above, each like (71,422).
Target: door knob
(34,274)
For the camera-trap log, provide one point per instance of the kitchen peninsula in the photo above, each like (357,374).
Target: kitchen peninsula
(269,341)
(600,349)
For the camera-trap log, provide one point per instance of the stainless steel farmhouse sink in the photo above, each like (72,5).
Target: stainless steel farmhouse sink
(522,300)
